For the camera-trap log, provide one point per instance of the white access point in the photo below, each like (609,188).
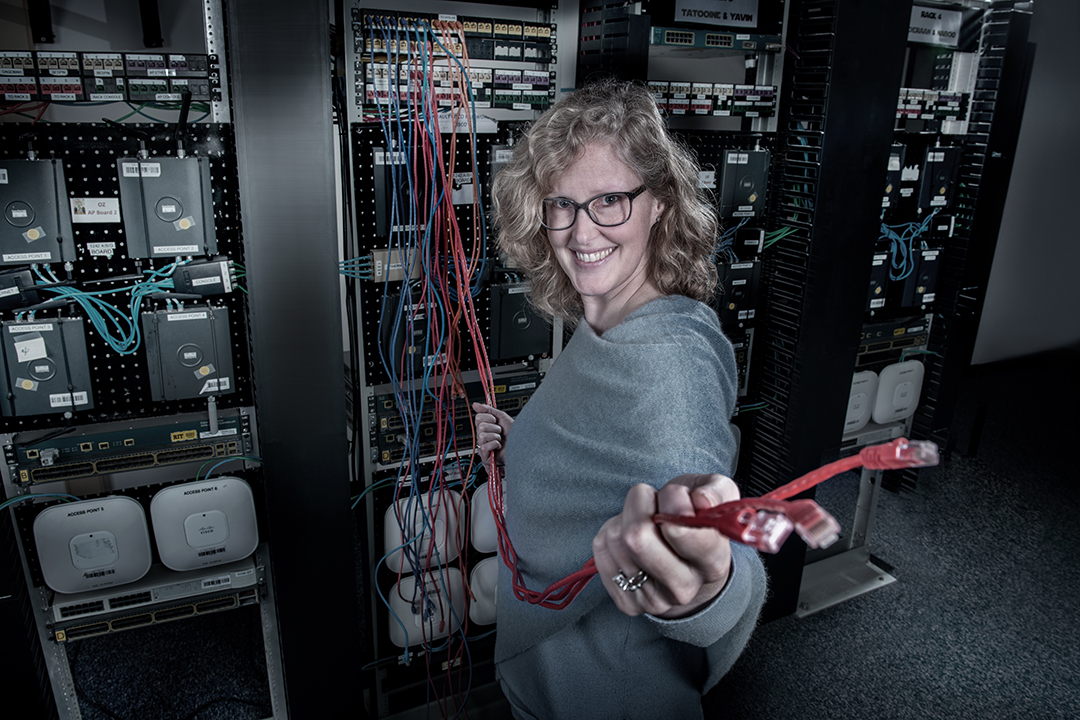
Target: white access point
(92,544)
(482,532)
(483,580)
(421,617)
(420,523)
(899,386)
(864,386)
(204,523)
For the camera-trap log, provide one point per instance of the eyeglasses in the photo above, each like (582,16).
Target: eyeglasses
(607,209)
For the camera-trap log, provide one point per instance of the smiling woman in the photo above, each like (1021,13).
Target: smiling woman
(621,120)
(601,209)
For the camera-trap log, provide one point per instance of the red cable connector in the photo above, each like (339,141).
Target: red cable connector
(765,523)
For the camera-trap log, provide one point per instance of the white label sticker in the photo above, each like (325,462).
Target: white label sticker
(186,316)
(130,169)
(522,386)
(30,347)
(206,281)
(8,292)
(95,210)
(41,327)
(149,169)
(176,250)
(216,582)
(27,257)
(219,433)
(215,385)
(101,249)
(3,176)
(66,399)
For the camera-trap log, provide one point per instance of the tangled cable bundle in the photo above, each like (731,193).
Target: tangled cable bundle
(763,523)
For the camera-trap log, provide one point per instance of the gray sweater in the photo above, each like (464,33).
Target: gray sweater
(648,400)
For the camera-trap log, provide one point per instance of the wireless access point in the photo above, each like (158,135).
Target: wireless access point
(92,544)
(864,386)
(899,386)
(482,531)
(483,580)
(204,523)
(419,523)
(433,614)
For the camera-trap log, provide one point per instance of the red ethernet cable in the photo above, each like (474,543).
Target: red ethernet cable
(763,523)
(766,522)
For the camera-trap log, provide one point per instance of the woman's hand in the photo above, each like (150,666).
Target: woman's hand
(492,426)
(686,568)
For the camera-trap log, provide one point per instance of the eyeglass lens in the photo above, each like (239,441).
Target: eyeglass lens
(606,210)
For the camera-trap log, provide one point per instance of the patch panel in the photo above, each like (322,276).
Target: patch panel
(145,65)
(103,64)
(105,89)
(198,87)
(507,30)
(508,50)
(57,63)
(57,89)
(148,89)
(186,66)
(19,88)
(17,63)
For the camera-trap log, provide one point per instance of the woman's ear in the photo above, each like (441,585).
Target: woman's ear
(658,211)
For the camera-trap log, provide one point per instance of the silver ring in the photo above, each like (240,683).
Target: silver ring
(630,584)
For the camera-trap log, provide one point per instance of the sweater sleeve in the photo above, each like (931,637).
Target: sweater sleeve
(723,626)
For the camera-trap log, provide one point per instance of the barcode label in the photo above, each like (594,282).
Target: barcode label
(99,573)
(220,581)
(213,551)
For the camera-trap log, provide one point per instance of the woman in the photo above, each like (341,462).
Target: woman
(601,209)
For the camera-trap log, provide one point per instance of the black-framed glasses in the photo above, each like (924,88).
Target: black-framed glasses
(606,209)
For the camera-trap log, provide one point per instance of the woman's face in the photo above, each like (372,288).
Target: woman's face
(604,264)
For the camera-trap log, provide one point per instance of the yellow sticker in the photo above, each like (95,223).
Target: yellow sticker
(27,384)
(184,224)
(33,234)
(204,370)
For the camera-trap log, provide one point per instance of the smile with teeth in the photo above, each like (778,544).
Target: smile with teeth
(593,257)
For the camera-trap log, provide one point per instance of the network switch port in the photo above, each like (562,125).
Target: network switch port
(83,631)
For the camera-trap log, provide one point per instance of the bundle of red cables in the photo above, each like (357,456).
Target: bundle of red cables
(764,522)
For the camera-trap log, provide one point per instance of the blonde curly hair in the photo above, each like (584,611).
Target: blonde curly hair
(624,116)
